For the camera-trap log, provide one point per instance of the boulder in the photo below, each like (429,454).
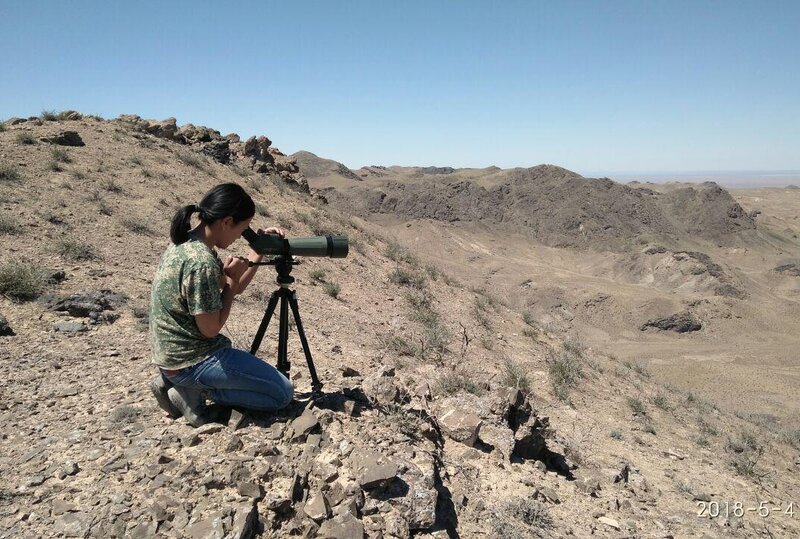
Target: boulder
(65,138)
(317,507)
(73,524)
(342,527)
(460,425)
(218,150)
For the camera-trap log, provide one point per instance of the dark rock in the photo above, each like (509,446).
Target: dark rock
(250,490)
(66,138)
(679,322)
(374,475)
(304,425)
(89,305)
(5,329)
(219,150)
(348,372)
(437,170)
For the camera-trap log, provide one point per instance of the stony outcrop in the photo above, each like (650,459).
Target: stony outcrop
(682,322)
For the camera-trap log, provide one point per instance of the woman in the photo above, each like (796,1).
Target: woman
(191,299)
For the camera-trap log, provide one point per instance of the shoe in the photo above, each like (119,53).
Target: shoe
(191,403)
(159,386)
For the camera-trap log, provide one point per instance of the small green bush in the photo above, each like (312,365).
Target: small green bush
(25,137)
(110,184)
(136,160)
(137,225)
(744,452)
(399,346)
(71,249)
(660,400)
(452,382)
(22,281)
(332,289)
(193,160)
(317,275)
(515,375)
(48,116)
(528,318)
(404,277)
(262,210)
(60,155)
(637,406)
(565,371)
(8,226)
(615,434)
(398,253)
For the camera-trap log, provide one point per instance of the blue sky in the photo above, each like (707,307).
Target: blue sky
(596,87)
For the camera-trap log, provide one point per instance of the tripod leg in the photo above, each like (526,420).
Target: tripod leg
(316,385)
(273,300)
(283,337)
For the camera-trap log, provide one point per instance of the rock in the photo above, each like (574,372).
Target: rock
(348,372)
(530,439)
(590,486)
(208,528)
(218,150)
(234,444)
(500,437)
(250,490)
(549,495)
(71,115)
(609,522)
(73,524)
(460,425)
(65,138)
(680,322)
(70,468)
(236,420)
(304,425)
(70,328)
(15,121)
(317,507)
(342,527)
(59,507)
(245,521)
(382,390)
(5,329)
(375,475)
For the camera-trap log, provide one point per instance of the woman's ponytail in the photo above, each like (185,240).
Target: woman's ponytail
(181,224)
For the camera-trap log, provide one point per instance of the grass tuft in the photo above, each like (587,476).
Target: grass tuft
(137,225)
(26,138)
(22,281)
(332,288)
(70,249)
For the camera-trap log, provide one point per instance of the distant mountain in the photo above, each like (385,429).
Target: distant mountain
(555,205)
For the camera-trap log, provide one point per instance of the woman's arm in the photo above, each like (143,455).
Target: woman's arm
(210,324)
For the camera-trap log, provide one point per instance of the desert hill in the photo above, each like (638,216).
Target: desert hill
(449,411)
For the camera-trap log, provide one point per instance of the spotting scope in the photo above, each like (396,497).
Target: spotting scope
(275,245)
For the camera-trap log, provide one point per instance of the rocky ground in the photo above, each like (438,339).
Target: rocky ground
(447,412)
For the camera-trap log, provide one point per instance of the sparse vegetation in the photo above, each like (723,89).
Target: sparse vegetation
(317,275)
(72,249)
(77,175)
(452,382)
(637,406)
(48,116)
(405,277)
(262,210)
(615,434)
(110,184)
(136,160)
(142,316)
(659,400)
(54,166)
(25,137)
(744,452)
(515,375)
(22,281)
(8,225)
(137,225)
(399,346)
(332,288)
(398,253)
(528,318)
(192,159)
(565,370)
(60,155)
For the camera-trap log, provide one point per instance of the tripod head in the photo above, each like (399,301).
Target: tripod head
(283,265)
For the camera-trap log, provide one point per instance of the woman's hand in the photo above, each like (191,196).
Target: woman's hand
(234,268)
(272,230)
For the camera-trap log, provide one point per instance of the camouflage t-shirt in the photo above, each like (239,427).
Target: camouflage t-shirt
(186,283)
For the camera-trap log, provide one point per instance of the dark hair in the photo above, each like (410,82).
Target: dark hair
(226,199)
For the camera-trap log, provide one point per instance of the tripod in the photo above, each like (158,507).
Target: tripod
(283,265)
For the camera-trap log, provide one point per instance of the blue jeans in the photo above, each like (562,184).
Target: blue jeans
(235,378)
